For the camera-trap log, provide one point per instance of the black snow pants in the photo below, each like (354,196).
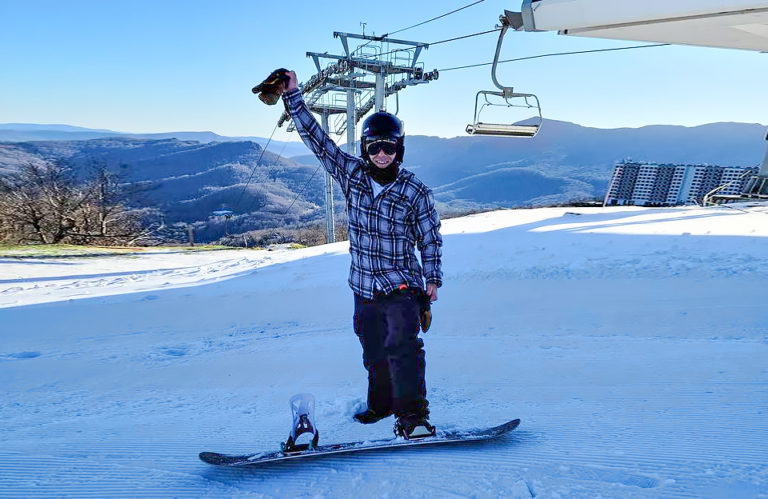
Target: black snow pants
(393,354)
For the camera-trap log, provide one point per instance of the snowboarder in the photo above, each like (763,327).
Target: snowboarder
(390,213)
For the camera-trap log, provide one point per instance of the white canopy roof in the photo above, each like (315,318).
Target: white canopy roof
(739,24)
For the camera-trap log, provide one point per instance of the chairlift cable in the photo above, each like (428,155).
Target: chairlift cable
(557,54)
(446,41)
(302,190)
(422,23)
(435,18)
(285,144)
(253,170)
(465,36)
(283,149)
(305,185)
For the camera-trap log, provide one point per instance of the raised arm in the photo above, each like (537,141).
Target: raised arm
(338,163)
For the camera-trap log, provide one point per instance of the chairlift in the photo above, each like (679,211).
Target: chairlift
(222,213)
(521,129)
(510,98)
(227,214)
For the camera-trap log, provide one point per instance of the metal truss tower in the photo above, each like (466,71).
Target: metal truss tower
(352,84)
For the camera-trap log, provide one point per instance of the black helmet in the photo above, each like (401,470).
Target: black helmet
(383,125)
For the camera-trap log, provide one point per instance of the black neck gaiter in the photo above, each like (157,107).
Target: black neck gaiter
(383,176)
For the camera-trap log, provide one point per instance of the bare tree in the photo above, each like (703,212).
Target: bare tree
(39,201)
(45,203)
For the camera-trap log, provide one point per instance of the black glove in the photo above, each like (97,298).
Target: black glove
(270,90)
(425,310)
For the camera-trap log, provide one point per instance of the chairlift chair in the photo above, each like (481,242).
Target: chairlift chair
(222,213)
(227,214)
(501,129)
(509,96)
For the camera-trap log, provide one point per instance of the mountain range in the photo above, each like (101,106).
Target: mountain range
(26,132)
(188,175)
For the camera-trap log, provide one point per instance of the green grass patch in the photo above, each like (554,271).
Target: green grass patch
(69,250)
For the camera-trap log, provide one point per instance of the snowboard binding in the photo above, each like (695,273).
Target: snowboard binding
(414,427)
(303,411)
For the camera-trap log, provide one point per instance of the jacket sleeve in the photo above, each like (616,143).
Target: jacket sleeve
(428,237)
(337,162)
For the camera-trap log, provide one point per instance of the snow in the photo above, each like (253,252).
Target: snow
(632,342)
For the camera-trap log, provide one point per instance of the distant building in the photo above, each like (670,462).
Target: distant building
(649,184)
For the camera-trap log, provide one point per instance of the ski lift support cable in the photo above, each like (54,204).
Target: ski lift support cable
(555,54)
(304,187)
(445,41)
(385,35)
(435,18)
(253,170)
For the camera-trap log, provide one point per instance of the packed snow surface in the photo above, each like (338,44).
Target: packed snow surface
(632,343)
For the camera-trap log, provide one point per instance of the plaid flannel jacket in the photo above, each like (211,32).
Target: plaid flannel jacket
(383,231)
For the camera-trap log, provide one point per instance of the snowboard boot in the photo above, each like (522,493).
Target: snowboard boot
(414,426)
(369,416)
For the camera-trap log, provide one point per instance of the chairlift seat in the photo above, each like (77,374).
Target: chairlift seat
(527,130)
(502,130)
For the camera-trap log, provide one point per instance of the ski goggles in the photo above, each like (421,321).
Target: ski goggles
(387,146)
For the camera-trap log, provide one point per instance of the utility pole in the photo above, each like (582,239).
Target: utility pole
(360,80)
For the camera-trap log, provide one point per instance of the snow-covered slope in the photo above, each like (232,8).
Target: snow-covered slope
(631,342)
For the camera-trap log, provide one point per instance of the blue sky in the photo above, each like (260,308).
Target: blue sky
(146,66)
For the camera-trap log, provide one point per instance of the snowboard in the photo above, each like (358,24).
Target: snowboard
(309,451)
